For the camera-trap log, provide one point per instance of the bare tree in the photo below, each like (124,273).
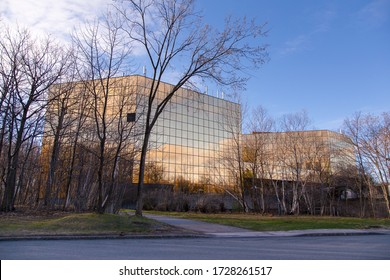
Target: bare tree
(58,122)
(29,66)
(232,159)
(154,173)
(102,53)
(173,36)
(74,120)
(256,152)
(295,154)
(320,174)
(353,127)
(273,168)
(370,135)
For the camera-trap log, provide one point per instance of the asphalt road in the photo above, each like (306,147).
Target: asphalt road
(366,247)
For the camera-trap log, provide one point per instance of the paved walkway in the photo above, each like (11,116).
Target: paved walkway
(216,230)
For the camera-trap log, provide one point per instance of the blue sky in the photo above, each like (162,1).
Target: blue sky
(331,58)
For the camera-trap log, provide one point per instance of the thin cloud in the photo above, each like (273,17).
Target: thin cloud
(373,15)
(322,22)
(297,44)
(325,19)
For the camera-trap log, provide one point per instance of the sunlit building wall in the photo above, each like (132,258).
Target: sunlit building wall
(297,154)
(186,142)
(189,136)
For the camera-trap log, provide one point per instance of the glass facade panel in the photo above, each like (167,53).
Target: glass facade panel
(191,125)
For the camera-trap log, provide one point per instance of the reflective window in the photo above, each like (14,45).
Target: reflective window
(189,136)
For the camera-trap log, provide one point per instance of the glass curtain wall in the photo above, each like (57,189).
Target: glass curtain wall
(187,139)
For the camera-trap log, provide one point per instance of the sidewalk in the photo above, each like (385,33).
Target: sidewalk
(216,230)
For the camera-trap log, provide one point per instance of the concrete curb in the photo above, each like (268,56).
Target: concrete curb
(92,237)
(253,234)
(298,234)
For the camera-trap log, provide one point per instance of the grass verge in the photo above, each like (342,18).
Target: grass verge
(282,223)
(78,224)
(22,225)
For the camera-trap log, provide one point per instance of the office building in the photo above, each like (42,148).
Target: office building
(186,141)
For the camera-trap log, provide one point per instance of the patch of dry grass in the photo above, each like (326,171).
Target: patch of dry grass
(58,223)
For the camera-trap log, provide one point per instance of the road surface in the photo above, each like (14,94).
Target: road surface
(366,247)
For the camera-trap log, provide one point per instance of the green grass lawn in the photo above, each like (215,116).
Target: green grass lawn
(279,223)
(82,224)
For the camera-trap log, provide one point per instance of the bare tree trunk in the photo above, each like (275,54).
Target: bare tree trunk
(26,161)
(295,200)
(10,183)
(141,175)
(72,164)
(54,158)
(262,197)
(100,207)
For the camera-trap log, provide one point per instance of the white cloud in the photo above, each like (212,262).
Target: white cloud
(57,18)
(51,17)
